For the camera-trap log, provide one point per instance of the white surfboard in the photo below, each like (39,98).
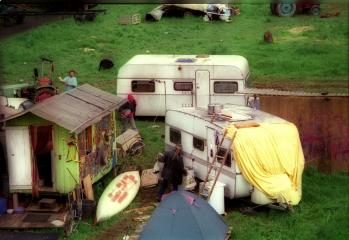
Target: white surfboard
(118,195)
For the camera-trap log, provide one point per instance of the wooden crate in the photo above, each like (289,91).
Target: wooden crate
(125,140)
(149,178)
(129,19)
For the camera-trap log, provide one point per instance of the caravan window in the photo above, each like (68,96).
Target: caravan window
(220,155)
(198,144)
(175,136)
(225,87)
(183,86)
(143,86)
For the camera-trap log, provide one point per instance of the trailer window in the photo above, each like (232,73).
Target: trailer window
(175,136)
(143,86)
(183,86)
(220,156)
(225,87)
(198,144)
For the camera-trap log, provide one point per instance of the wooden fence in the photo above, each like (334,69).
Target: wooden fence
(323,124)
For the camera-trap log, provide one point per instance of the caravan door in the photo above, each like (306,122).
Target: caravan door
(211,145)
(202,88)
(19,158)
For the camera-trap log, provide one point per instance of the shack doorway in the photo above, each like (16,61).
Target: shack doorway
(42,148)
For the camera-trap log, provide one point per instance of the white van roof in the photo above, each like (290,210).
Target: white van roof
(235,61)
(239,113)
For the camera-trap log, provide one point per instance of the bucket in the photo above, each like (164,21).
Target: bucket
(217,197)
(3,205)
(88,209)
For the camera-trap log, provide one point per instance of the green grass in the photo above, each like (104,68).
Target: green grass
(323,213)
(317,56)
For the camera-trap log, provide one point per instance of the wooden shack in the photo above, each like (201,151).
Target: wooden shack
(55,144)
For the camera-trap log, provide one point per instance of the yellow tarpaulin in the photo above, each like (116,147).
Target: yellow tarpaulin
(271,159)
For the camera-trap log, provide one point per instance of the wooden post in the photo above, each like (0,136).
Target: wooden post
(15,200)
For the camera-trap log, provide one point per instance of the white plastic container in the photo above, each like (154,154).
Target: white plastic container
(217,197)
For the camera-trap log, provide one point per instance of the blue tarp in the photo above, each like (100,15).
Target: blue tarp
(183,215)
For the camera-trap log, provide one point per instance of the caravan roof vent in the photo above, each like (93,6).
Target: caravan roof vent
(186,60)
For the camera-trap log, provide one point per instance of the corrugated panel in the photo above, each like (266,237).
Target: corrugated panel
(101,94)
(77,109)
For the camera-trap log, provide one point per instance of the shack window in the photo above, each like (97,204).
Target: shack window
(198,144)
(220,156)
(183,86)
(225,87)
(175,136)
(88,140)
(143,86)
(85,141)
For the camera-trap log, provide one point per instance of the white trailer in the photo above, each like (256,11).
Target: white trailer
(194,129)
(160,82)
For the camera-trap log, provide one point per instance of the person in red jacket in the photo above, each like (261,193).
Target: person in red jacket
(127,113)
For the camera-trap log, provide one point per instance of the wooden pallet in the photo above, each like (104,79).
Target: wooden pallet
(129,19)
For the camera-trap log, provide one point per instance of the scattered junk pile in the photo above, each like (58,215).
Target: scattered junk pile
(12,14)
(68,142)
(59,146)
(208,11)
(284,8)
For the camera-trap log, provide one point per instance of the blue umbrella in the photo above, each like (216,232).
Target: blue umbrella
(183,215)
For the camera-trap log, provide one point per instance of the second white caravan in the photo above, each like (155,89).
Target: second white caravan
(199,134)
(160,82)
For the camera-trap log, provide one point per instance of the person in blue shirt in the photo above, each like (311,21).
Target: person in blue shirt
(70,81)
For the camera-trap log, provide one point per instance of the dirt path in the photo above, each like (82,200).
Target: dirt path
(309,86)
(128,225)
(30,22)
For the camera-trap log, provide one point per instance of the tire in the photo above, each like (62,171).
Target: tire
(315,10)
(286,9)
(272,8)
(136,149)
(20,19)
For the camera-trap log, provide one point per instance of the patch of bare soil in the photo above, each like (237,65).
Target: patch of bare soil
(132,218)
(298,86)
(301,29)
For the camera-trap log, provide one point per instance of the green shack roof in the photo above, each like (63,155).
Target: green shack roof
(76,109)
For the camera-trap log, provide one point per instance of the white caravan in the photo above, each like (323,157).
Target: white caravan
(199,136)
(160,82)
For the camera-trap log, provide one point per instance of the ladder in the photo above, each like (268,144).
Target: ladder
(212,166)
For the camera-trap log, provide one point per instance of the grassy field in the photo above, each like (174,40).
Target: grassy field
(323,213)
(308,51)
